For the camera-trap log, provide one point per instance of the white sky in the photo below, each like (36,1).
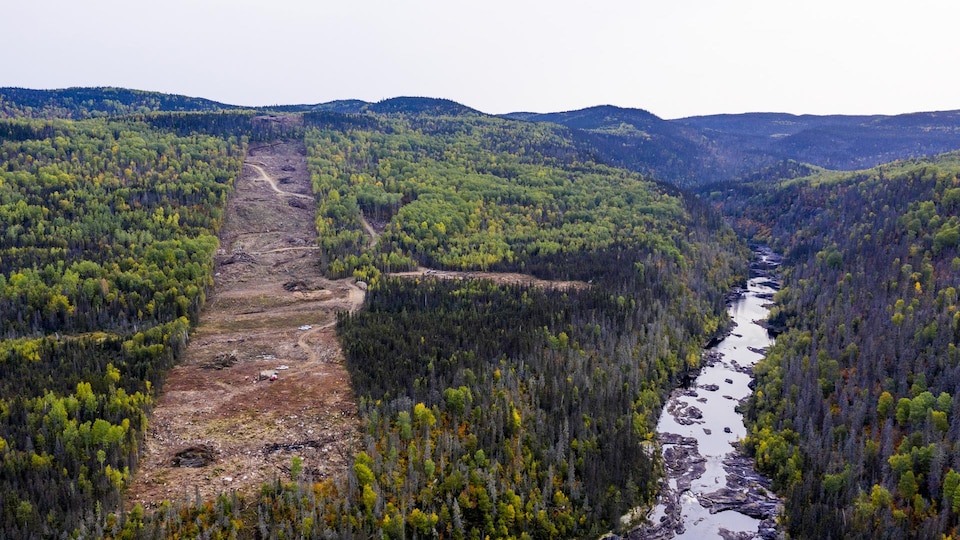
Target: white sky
(672,57)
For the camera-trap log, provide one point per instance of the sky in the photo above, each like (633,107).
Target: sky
(674,58)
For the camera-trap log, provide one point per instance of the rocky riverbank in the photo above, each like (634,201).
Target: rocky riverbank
(710,489)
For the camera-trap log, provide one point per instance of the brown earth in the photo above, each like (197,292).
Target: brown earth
(270,311)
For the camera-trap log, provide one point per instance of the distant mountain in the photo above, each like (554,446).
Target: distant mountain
(833,142)
(421,105)
(638,140)
(707,149)
(688,152)
(79,103)
(398,105)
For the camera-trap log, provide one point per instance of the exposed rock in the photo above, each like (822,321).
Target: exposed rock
(746,492)
(710,358)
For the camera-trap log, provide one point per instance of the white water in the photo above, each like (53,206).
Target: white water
(718,413)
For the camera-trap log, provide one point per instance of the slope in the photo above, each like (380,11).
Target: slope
(701,150)
(270,307)
(855,411)
(77,103)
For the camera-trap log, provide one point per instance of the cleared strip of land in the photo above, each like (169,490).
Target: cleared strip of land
(220,422)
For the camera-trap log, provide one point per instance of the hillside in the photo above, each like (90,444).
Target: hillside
(686,152)
(461,382)
(854,412)
(78,103)
(105,262)
(833,142)
(702,150)
(509,382)
(534,288)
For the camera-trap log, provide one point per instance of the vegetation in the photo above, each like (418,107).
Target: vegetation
(854,413)
(479,192)
(495,410)
(109,230)
(701,150)
(488,410)
(80,103)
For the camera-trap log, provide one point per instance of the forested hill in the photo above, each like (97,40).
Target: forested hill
(640,141)
(832,142)
(855,412)
(397,105)
(686,152)
(488,409)
(78,103)
(106,254)
(700,150)
(496,410)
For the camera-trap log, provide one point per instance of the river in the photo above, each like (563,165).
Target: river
(710,490)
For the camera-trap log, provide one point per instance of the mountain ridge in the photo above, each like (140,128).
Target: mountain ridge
(687,152)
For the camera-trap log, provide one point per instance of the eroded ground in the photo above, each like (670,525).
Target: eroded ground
(271,312)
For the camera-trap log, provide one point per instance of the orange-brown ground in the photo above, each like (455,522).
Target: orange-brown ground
(270,308)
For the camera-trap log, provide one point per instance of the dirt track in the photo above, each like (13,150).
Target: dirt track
(270,308)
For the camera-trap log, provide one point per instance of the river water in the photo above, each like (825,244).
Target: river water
(699,426)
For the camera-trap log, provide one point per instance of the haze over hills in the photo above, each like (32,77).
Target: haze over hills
(686,152)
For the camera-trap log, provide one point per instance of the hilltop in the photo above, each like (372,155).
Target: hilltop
(686,152)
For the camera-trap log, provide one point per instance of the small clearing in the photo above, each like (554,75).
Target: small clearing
(271,312)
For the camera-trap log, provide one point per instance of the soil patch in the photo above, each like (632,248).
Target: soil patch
(218,425)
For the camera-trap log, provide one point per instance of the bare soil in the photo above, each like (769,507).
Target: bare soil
(270,310)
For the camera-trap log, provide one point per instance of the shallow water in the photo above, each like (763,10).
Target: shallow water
(718,412)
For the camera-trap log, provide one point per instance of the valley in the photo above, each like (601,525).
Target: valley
(411,319)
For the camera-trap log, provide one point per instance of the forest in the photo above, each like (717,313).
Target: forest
(855,413)
(106,256)
(110,229)
(487,410)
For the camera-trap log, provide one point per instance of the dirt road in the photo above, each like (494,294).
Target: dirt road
(374,235)
(271,311)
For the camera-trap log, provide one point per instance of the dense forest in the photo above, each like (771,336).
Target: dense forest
(106,256)
(855,411)
(488,410)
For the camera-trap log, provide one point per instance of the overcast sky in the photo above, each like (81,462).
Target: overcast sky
(674,58)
